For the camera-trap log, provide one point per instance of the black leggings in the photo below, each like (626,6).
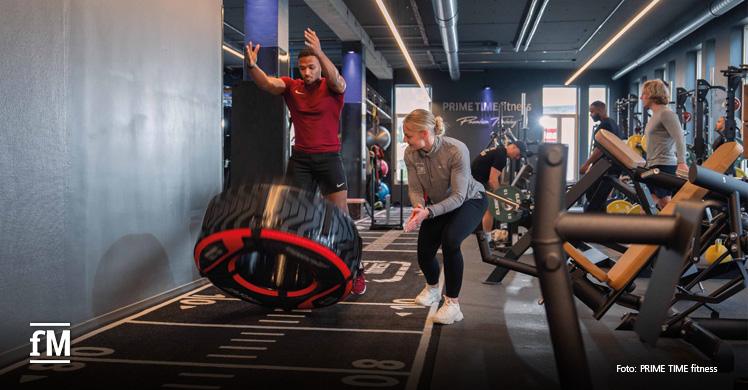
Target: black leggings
(448,231)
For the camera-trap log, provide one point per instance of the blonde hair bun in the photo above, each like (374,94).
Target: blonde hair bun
(425,120)
(439,125)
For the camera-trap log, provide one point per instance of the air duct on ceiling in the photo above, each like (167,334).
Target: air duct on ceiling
(445,12)
(716,8)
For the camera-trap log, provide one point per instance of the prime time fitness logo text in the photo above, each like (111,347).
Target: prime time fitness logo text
(483,106)
(488,113)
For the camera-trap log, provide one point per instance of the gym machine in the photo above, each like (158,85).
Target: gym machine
(513,201)
(614,286)
(701,123)
(616,153)
(657,319)
(734,76)
(554,226)
(702,141)
(681,95)
(626,115)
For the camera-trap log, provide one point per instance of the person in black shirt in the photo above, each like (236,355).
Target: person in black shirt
(487,167)
(599,113)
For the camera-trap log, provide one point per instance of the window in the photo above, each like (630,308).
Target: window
(699,70)
(663,75)
(559,100)
(407,99)
(560,123)
(601,94)
(660,74)
(670,77)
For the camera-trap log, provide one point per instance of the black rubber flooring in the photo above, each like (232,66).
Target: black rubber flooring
(208,340)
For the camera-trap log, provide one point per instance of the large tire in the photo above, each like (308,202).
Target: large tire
(278,246)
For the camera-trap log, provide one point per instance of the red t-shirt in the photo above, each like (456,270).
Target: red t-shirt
(315,113)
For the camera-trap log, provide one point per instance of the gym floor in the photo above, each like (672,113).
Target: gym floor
(205,339)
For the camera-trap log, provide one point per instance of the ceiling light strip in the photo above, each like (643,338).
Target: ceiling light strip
(535,25)
(400,43)
(613,40)
(525,24)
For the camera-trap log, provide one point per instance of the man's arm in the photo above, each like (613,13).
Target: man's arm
(335,81)
(596,154)
(493,179)
(272,85)
(497,166)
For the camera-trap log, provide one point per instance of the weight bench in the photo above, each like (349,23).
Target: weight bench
(616,153)
(672,234)
(636,256)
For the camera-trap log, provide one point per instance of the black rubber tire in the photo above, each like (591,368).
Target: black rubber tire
(278,246)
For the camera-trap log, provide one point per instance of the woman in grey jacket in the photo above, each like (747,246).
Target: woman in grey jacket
(448,205)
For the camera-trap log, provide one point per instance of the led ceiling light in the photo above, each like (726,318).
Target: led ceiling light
(613,40)
(535,25)
(400,43)
(525,24)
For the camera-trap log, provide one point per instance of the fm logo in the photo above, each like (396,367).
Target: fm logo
(54,347)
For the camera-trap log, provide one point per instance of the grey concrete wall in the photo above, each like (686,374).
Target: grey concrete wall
(110,117)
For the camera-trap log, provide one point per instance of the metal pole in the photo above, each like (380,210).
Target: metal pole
(524,111)
(717,182)
(372,186)
(601,228)
(736,225)
(555,284)
(699,143)
(402,200)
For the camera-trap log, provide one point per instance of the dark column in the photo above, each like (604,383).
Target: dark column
(260,125)
(560,309)
(353,118)
(584,128)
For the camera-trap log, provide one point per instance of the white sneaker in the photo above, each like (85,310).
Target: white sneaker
(449,313)
(429,296)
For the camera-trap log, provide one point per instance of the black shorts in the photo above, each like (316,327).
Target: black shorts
(309,170)
(663,192)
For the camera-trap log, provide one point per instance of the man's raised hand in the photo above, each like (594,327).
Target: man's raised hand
(250,54)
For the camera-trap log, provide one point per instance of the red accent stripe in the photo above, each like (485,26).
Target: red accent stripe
(308,244)
(268,291)
(232,240)
(249,286)
(302,292)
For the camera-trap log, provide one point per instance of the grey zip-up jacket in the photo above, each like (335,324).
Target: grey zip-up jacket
(665,141)
(443,174)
